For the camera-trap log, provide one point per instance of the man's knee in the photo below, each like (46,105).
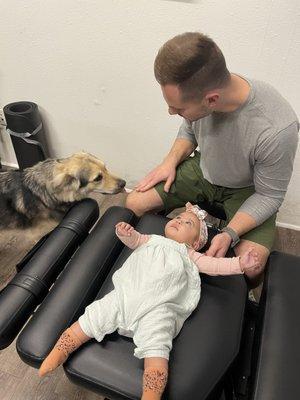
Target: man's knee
(254,277)
(131,201)
(141,202)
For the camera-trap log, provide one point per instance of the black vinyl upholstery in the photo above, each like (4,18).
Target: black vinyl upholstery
(202,352)
(276,373)
(30,286)
(75,288)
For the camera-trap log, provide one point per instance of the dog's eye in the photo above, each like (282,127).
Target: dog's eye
(98,178)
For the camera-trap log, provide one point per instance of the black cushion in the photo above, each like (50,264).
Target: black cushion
(40,268)
(74,289)
(278,355)
(202,352)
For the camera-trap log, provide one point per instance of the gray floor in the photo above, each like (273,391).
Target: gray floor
(18,381)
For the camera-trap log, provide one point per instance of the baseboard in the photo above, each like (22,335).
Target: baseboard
(7,164)
(288,226)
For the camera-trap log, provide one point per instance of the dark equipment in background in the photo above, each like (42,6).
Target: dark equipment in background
(24,125)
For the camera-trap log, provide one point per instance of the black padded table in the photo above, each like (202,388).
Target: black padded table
(202,352)
(277,351)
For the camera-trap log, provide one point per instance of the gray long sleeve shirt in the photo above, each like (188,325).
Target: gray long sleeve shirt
(254,145)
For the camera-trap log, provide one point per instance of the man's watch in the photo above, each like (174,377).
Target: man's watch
(234,236)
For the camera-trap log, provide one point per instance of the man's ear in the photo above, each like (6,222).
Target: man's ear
(212,99)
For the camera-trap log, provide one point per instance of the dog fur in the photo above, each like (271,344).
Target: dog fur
(50,188)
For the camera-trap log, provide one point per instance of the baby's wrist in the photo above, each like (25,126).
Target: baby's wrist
(242,266)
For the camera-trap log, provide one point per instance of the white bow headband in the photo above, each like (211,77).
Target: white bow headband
(200,214)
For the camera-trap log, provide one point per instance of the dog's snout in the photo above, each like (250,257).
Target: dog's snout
(121,183)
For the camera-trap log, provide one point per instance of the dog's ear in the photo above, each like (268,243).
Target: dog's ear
(83,182)
(62,180)
(83,177)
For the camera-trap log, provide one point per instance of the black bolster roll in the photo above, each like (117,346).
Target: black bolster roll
(30,286)
(75,288)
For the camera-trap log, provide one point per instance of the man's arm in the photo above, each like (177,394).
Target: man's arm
(181,149)
(272,173)
(242,223)
(166,171)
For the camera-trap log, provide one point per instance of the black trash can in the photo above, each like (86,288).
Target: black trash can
(24,125)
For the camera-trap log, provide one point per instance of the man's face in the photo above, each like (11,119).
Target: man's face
(190,110)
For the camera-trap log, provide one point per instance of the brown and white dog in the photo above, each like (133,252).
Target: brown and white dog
(49,188)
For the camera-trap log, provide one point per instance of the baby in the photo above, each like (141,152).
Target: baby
(155,291)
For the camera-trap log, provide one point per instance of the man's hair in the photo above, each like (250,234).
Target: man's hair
(193,62)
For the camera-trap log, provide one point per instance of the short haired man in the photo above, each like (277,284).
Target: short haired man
(247,134)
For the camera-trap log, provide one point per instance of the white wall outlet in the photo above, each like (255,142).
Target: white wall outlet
(2,118)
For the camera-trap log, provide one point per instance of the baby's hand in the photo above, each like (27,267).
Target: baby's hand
(124,229)
(249,260)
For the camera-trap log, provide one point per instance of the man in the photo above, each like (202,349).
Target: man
(247,134)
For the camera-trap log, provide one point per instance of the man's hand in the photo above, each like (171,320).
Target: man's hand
(124,229)
(166,171)
(219,245)
(163,172)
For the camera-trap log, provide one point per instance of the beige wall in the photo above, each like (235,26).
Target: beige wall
(89,67)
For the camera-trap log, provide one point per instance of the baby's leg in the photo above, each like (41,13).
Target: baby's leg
(155,377)
(69,341)
(99,319)
(153,338)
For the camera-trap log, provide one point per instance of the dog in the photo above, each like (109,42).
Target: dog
(51,187)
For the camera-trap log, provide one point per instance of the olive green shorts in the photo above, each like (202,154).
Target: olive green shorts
(190,185)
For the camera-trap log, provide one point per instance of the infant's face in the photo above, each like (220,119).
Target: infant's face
(184,228)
